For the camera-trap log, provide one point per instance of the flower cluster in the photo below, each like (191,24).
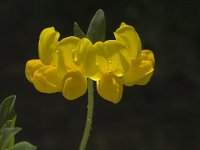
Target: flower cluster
(65,65)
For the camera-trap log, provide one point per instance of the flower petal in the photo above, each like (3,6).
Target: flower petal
(129,37)
(65,50)
(148,55)
(48,39)
(145,79)
(119,60)
(139,73)
(75,85)
(85,58)
(110,87)
(47,80)
(141,69)
(112,56)
(31,67)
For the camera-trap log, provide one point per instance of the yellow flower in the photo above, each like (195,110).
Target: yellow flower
(104,62)
(65,65)
(121,62)
(116,62)
(75,81)
(56,70)
(142,65)
(42,72)
(113,61)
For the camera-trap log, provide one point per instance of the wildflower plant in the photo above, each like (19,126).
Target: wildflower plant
(71,65)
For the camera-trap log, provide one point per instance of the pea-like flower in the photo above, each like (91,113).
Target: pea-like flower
(56,71)
(122,62)
(142,65)
(42,72)
(65,65)
(104,62)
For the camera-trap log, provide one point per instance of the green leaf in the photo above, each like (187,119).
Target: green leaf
(97,27)
(23,146)
(9,124)
(12,124)
(7,135)
(78,31)
(7,110)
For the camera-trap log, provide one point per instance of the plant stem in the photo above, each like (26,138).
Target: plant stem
(90,107)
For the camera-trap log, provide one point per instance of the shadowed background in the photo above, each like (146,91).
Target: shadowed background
(163,115)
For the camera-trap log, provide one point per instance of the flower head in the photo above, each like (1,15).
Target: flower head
(65,65)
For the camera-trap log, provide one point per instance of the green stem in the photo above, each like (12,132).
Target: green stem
(90,107)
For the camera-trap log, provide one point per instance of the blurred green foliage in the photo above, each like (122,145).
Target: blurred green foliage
(8,129)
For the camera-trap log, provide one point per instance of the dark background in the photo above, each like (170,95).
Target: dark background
(163,115)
